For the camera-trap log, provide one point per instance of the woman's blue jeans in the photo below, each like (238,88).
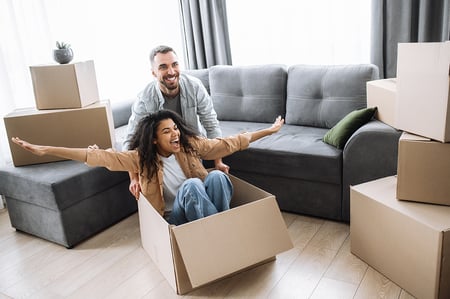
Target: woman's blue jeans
(196,199)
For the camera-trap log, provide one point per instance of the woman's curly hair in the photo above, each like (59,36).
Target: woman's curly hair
(145,133)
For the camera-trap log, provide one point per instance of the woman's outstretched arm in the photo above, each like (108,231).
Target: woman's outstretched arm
(276,126)
(78,154)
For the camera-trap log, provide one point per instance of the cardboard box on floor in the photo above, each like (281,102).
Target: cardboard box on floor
(65,127)
(423,171)
(202,251)
(408,242)
(60,86)
(423,89)
(383,95)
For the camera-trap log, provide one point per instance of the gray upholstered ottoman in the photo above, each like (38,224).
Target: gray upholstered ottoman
(65,202)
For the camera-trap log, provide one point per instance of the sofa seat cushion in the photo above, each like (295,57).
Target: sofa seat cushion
(295,152)
(57,185)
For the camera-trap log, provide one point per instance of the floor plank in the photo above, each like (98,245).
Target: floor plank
(113,264)
(346,267)
(375,285)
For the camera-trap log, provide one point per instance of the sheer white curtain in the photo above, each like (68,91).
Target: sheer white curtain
(117,35)
(300,31)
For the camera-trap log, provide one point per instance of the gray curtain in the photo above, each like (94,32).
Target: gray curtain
(206,40)
(395,21)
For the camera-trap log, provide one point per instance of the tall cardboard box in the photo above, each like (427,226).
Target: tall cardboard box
(423,171)
(423,89)
(408,242)
(64,127)
(60,86)
(383,95)
(199,252)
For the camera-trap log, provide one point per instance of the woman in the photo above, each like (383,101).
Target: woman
(167,157)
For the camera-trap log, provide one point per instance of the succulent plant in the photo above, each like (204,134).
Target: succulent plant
(62,45)
(63,53)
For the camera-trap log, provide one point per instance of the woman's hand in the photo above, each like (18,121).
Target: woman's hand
(77,154)
(276,126)
(38,150)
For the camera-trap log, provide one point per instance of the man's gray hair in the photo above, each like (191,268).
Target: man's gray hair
(159,49)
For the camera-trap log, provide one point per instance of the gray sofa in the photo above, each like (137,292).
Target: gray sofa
(307,175)
(67,202)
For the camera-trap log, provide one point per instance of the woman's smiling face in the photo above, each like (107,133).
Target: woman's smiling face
(167,138)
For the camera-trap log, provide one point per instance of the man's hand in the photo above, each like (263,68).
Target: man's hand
(222,166)
(135,187)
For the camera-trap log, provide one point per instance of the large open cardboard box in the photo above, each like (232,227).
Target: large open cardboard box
(383,95)
(406,241)
(423,89)
(423,171)
(59,86)
(64,127)
(199,252)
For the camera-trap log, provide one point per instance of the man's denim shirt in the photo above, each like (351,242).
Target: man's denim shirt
(196,107)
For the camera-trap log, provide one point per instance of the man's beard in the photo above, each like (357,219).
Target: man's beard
(171,86)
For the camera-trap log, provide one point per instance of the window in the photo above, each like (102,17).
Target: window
(299,32)
(117,35)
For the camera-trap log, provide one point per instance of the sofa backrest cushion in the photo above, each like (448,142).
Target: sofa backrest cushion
(249,93)
(321,95)
(202,74)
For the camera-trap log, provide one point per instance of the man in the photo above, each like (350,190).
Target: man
(181,93)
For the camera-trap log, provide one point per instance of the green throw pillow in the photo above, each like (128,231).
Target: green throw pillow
(341,132)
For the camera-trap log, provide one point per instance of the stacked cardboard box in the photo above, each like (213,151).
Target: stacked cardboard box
(400,225)
(68,112)
(62,86)
(383,95)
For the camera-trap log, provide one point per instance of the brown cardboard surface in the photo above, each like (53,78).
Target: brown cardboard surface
(155,238)
(208,249)
(239,248)
(65,127)
(423,170)
(423,89)
(60,86)
(405,241)
(383,95)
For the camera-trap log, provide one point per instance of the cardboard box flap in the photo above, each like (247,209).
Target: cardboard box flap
(413,137)
(250,233)
(154,227)
(244,192)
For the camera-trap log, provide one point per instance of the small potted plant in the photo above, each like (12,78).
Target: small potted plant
(63,53)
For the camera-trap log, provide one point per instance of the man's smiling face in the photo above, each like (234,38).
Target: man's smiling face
(167,71)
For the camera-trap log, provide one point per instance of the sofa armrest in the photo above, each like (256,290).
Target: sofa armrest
(370,153)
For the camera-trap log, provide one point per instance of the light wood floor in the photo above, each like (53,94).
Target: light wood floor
(114,265)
